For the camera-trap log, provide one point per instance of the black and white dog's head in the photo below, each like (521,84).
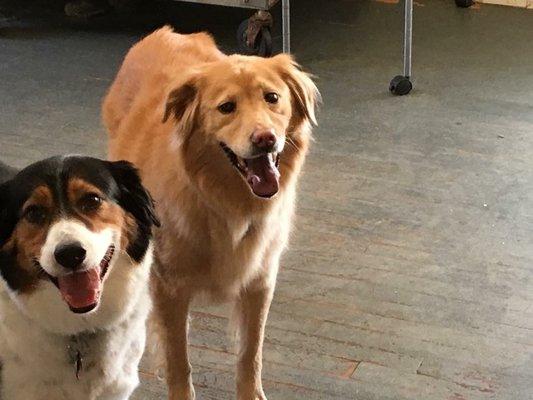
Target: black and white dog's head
(75,240)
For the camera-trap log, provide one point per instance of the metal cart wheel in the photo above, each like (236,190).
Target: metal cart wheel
(400,85)
(254,35)
(464,3)
(259,45)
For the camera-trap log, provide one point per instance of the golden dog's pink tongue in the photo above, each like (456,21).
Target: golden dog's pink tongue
(262,176)
(80,289)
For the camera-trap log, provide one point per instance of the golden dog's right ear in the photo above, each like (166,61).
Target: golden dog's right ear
(182,104)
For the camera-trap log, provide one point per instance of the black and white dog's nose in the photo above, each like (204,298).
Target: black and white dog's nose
(70,255)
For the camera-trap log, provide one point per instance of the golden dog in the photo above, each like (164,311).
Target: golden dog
(220,141)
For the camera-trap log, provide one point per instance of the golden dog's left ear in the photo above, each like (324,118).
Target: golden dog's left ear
(305,94)
(182,103)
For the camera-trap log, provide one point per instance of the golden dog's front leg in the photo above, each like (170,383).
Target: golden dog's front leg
(172,313)
(253,305)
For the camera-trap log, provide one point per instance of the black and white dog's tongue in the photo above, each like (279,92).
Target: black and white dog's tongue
(262,175)
(81,289)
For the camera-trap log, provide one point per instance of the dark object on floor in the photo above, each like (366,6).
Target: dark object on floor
(464,3)
(85,9)
(254,36)
(6,172)
(400,85)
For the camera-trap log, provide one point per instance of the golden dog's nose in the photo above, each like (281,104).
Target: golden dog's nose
(264,139)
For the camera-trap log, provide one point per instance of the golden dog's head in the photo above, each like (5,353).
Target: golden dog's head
(256,111)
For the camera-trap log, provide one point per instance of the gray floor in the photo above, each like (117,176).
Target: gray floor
(409,274)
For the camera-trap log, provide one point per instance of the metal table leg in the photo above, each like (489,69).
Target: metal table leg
(408,38)
(401,84)
(286,16)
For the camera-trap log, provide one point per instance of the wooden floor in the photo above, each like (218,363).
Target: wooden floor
(409,274)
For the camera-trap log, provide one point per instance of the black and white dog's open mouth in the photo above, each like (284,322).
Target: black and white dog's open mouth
(261,172)
(82,290)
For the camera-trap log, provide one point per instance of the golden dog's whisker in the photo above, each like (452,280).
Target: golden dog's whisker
(291,142)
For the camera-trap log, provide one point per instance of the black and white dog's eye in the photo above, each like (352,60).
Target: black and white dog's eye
(36,215)
(272,98)
(90,202)
(227,107)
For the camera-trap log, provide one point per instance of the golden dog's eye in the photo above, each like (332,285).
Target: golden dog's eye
(36,215)
(272,98)
(90,202)
(227,107)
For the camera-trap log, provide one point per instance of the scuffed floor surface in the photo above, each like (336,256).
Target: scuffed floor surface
(410,270)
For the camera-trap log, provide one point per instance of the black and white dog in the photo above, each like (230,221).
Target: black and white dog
(75,257)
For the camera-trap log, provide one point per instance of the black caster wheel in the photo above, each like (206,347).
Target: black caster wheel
(400,85)
(262,45)
(464,3)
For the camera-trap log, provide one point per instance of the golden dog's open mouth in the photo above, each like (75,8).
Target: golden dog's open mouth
(261,172)
(82,290)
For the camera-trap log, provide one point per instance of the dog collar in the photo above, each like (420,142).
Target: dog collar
(77,347)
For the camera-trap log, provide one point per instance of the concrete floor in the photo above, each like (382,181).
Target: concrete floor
(409,274)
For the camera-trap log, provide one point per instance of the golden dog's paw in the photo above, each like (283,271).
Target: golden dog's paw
(185,393)
(259,396)
(256,394)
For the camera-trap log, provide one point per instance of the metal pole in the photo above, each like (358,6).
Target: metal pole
(286,16)
(408,38)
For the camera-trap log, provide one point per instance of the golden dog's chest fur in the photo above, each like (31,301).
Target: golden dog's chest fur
(220,256)
(217,237)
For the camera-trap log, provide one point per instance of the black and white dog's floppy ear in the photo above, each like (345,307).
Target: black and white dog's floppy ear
(133,196)
(135,199)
